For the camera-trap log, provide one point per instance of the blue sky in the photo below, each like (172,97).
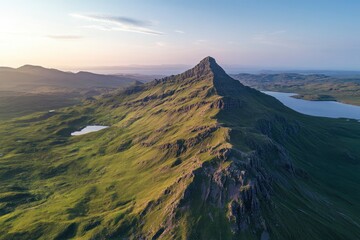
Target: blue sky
(275,34)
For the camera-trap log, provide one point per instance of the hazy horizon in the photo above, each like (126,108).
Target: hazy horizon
(172,69)
(262,35)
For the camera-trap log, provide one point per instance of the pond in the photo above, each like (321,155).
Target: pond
(329,109)
(88,129)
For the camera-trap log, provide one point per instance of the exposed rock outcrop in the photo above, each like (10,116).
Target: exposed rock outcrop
(235,182)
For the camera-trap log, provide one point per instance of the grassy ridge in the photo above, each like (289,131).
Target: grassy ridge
(178,154)
(107,178)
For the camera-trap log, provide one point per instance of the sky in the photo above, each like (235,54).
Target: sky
(276,34)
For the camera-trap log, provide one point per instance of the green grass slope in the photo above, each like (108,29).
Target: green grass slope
(15,104)
(192,156)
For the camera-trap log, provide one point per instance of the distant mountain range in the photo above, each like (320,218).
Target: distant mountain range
(38,79)
(30,88)
(192,156)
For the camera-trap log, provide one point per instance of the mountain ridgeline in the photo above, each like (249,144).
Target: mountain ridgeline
(192,156)
(30,78)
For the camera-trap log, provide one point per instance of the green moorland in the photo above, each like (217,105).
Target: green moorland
(30,89)
(192,156)
(314,87)
(17,104)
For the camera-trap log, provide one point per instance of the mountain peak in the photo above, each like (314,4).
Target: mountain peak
(208,60)
(209,63)
(205,67)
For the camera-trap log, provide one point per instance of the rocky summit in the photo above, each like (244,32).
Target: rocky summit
(192,156)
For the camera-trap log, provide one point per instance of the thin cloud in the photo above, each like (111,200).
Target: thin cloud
(64,37)
(179,31)
(117,23)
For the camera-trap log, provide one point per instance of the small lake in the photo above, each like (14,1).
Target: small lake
(329,109)
(88,129)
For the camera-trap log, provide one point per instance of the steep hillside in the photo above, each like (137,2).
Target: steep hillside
(192,156)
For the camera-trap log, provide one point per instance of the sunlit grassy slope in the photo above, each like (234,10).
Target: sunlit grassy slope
(192,156)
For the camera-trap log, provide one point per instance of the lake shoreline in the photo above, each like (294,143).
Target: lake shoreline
(330,109)
(314,97)
(89,129)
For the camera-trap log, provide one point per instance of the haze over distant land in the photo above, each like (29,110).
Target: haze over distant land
(264,34)
(161,69)
(164,69)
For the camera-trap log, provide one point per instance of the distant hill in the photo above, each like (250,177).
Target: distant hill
(141,77)
(30,88)
(30,78)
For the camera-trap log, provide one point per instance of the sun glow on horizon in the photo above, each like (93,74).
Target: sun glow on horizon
(93,33)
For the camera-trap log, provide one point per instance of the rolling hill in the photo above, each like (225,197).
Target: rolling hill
(30,78)
(30,89)
(192,156)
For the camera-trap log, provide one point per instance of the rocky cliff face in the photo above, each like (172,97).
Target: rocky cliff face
(236,188)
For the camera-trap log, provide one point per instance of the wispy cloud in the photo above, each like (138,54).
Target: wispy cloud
(179,31)
(64,37)
(117,23)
